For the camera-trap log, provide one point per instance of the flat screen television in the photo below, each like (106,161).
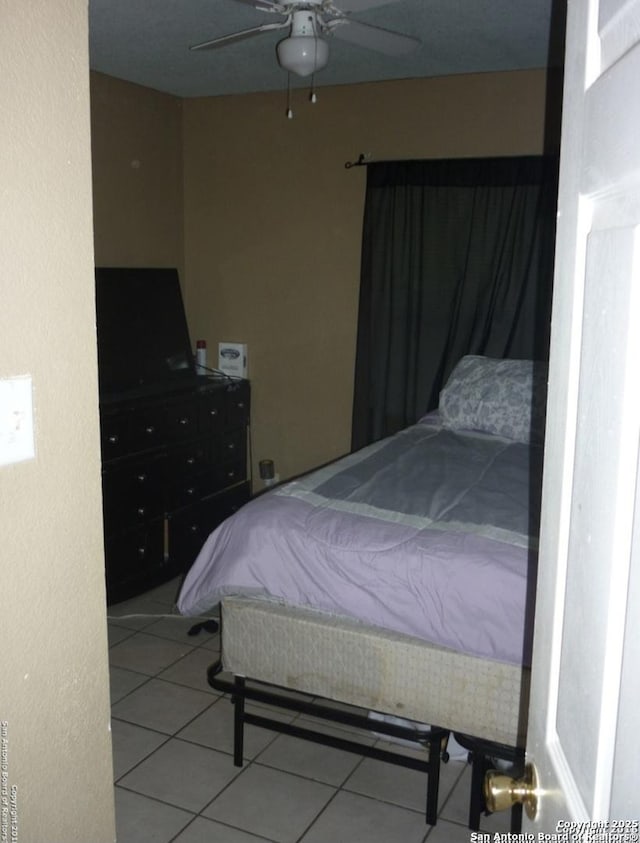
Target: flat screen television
(143,338)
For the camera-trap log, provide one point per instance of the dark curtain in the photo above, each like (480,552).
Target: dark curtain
(457,258)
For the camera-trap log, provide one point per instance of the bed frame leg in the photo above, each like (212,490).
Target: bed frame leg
(433,776)
(238,722)
(481,753)
(479,767)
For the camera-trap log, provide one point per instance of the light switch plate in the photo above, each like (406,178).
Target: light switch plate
(16,420)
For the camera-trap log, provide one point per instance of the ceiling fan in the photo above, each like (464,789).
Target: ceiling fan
(305,50)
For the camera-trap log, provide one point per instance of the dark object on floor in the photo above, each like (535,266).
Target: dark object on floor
(208,626)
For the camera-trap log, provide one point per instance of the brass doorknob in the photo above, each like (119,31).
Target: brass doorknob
(502,792)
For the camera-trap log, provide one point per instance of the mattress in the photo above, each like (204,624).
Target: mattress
(428,533)
(351,662)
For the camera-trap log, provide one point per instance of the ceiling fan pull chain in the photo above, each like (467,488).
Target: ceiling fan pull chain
(312,95)
(315,64)
(289,111)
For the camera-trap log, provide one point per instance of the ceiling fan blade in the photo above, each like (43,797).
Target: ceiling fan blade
(373,37)
(223,40)
(267,5)
(356,5)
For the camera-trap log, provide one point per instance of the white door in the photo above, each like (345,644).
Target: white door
(584,720)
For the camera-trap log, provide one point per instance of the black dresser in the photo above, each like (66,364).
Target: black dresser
(174,466)
(174,444)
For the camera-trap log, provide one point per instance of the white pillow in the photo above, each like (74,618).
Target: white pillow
(503,397)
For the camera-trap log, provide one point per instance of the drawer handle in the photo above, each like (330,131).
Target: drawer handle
(213,412)
(141,510)
(231,446)
(231,474)
(141,478)
(141,552)
(191,491)
(191,460)
(151,429)
(240,405)
(113,440)
(184,421)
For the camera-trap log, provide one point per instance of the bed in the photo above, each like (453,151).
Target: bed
(398,579)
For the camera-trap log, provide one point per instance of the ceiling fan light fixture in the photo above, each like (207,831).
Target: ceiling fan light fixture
(303,54)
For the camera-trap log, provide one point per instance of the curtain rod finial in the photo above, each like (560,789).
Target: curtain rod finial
(362,160)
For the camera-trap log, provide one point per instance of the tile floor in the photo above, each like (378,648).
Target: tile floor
(174,774)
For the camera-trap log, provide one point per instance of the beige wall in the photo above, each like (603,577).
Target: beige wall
(136,138)
(273,224)
(54,693)
(272,220)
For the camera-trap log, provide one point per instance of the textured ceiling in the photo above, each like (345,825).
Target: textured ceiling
(147,42)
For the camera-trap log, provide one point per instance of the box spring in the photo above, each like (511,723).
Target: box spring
(366,666)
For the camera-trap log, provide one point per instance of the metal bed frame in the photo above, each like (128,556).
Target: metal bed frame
(434,739)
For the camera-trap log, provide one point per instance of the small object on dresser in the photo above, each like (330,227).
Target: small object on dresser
(201,355)
(268,472)
(232,358)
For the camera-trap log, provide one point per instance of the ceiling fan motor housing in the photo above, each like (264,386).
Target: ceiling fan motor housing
(304,23)
(303,52)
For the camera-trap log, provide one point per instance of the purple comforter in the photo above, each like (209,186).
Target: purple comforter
(426,533)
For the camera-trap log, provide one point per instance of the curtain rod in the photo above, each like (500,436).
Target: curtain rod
(363,159)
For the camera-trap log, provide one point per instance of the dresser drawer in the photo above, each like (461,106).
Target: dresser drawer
(189,529)
(147,428)
(184,492)
(132,558)
(132,492)
(211,413)
(230,473)
(182,421)
(114,434)
(231,447)
(237,405)
(190,460)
